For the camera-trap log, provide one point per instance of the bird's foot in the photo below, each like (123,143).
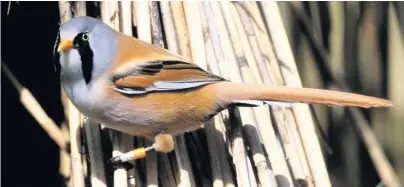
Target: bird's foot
(132,155)
(163,143)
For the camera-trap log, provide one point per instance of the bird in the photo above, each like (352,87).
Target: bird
(140,89)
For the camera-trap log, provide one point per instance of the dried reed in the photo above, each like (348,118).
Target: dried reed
(144,30)
(121,143)
(73,115)
(215,131)
(186,177)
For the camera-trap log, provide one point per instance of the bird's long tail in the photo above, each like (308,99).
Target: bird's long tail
(256,94)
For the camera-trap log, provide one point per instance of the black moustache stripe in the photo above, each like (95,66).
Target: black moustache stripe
(86,62)
(86,55)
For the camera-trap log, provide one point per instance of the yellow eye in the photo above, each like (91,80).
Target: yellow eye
(85,37)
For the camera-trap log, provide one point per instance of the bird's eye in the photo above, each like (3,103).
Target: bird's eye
(85,37)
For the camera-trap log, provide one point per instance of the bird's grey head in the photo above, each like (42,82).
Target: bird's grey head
(84,49)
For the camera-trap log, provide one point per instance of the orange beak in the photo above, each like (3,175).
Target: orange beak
(65,45)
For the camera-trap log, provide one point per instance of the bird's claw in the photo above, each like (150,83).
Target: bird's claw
(115,160)
(129,156)
(116,163)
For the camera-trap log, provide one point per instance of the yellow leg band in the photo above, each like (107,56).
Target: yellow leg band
(139,153)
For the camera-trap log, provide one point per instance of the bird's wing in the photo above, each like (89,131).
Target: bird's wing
(142,67)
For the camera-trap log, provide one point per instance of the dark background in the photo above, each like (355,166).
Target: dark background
(29,156)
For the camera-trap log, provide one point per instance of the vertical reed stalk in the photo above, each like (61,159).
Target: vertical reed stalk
(292,145)
(165,174)
(251,128)
(75,143)
(144,31)
(65,15)
(221,175)
(234,74)
(395,90)
(283,117)
(180,27)
(337,60)
(121,142)
(194,25)
(73,116)
(172,45)
(126,25)
(97,168)
(371,63)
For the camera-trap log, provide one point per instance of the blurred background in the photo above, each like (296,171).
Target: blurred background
(358,44)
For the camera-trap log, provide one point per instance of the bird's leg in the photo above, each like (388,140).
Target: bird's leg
(162,143)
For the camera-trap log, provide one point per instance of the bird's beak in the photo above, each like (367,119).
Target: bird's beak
(64,45)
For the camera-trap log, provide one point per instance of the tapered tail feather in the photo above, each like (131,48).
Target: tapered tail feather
(253,94)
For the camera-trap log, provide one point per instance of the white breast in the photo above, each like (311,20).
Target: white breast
(83,96)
